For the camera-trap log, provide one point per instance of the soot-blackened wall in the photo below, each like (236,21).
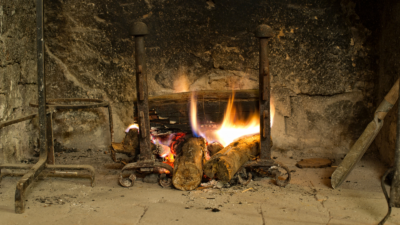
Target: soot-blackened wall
(323,64)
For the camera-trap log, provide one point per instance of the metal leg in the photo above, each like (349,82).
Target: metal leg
(138,165)
(53,169)
(13,166)
(24,183)
(386,196)
(50,140)
(110,120)
(265,32)
(88,168)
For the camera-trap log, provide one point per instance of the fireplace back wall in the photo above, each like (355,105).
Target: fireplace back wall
(323,64)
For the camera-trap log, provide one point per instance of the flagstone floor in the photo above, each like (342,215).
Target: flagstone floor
(307,200)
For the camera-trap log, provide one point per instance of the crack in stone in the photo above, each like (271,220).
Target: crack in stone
(262,215)
(144,212)
(330,218)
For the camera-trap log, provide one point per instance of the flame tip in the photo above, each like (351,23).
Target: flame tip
(233,125)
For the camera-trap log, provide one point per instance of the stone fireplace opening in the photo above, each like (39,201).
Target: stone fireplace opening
(331,64)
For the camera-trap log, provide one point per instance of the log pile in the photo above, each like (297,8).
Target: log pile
(194,158)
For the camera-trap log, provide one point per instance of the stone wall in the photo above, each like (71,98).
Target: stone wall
(323,64)
(17,78)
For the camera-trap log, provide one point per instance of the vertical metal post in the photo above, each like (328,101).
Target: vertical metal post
(264,32)
(41,77)
(34,172)
(139,31)
(50,140)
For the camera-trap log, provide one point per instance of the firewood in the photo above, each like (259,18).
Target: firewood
(229,160)
(214,148)
(188,166)
(129,146)
(131,141)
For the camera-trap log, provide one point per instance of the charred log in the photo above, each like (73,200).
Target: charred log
(188,167)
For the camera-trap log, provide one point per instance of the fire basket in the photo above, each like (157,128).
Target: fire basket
(146,162)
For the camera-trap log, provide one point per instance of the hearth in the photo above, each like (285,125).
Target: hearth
(185,167)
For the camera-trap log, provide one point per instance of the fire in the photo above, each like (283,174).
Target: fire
(233,125)
(165,144)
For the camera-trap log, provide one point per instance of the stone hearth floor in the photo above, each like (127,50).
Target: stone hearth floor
(307,200)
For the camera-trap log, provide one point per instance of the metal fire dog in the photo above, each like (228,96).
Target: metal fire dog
(147,162)
(264,33)
(46,158)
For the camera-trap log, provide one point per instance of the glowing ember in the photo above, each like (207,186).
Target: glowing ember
(233,126)
(170,159)
(165,144)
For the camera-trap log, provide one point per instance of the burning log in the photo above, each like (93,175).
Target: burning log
(188,167)
(129,146)
(229,160)
(213,148)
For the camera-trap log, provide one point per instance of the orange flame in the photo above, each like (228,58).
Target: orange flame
(170,159)
(233,125)
(167,143)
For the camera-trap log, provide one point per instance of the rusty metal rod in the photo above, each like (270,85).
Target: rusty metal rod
(88,168)
(55,104)
(11,122)
(264,32)
(50,140)
(110,121)
(139,31)
(8,123)
(138,165)
(53,173)
(48,174)
(33,173)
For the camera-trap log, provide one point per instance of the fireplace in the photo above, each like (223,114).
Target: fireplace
(220,124)
(175,71)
